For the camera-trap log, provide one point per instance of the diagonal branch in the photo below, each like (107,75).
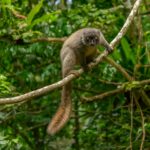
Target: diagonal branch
(46,89)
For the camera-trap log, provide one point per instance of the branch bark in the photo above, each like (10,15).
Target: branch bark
(46,89)
(48,40)
(114,92)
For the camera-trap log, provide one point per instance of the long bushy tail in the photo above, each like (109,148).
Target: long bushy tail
(63,113)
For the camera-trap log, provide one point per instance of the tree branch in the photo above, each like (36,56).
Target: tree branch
(64,81)
(103,95)
(44,39)
(115,91)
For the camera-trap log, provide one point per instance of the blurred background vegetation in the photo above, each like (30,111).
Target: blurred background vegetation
(114,123)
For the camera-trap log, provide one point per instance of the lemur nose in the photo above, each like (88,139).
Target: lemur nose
(92,42)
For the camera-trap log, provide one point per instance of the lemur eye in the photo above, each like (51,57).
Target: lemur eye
(96,38)
(87,39)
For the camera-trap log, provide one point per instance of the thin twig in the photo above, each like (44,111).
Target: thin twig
(131,129)
(143,127)
(116,91)
(46,39)
(103,95)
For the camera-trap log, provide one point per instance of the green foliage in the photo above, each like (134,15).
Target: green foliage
(132,85)
(128,52)
(33,12)
(5,86)
(26,66)
(49,16)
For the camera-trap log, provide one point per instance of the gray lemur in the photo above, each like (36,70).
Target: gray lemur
(79,48)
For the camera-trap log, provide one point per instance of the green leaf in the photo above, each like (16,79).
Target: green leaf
(6,2)
(131,85)
(116,54)
(127,50)
(49,16)
(29,34)
(33,12)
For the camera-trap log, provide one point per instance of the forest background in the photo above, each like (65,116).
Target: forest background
(110,103)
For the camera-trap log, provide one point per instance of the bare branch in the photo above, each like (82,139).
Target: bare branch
(44,39)
(143,122)
(38,92)
(103,95)
(119,68)
(127,23)
(115,91)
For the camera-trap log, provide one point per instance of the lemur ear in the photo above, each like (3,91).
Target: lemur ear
(84,33)
(98,32)
(83,37)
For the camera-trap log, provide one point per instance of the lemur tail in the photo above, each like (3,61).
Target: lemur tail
(63,113)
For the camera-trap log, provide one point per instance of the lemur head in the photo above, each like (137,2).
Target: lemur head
(90,37)
(93,37)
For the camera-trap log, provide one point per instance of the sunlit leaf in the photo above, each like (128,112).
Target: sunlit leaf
(33,12)
(128,52)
